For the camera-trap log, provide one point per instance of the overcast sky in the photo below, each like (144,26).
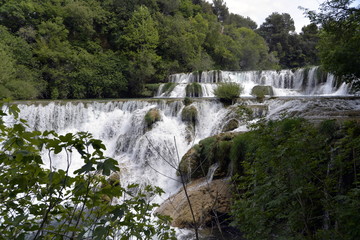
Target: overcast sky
(258,10)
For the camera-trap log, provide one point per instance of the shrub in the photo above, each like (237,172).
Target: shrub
(228,92)
(260,91)
(303,176)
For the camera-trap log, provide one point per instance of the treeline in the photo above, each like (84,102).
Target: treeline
(62,49)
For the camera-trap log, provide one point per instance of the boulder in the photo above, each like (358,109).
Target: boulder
(189,114)
(231,125)
(152,116)
(216,149)
(209,200)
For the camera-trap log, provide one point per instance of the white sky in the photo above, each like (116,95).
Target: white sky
(258,10)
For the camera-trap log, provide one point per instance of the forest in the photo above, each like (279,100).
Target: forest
(64,49)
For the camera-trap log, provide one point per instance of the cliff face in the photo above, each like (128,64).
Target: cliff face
(210,202)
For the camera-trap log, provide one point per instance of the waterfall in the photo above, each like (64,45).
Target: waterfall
(211,172)
(301,82)
(122,128)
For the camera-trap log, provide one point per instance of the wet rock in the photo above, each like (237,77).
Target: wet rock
(231,125)
(152,116)
(189,114)
(209,200)
(216,149)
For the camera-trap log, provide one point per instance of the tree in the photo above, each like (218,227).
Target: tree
(140,40)
(220,10)
(18,75)
(339,45)
(51,203)
(240,21)
(309,39)
(277,31)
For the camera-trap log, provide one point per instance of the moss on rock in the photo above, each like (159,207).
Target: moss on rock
(231,125)
(168,87)
(189,114)
(152,116)
(193,90)
(216,149)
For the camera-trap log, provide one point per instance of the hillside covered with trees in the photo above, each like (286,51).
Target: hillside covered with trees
(64,49)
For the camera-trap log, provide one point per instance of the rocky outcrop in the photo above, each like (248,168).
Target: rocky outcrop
(209,200)
(189,114)
(216,149)
(152,116)
(231,125)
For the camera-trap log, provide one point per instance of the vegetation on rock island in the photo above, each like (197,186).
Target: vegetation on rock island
(228,92)
(107,49)
(39,202)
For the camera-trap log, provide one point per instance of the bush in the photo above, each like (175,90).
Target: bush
(260,91)
(4,92)
(228,92)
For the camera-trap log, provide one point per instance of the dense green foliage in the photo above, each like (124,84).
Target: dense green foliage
(339,45)
(228,92)
(293,50)
(51,203)
(298,181)
(105,49)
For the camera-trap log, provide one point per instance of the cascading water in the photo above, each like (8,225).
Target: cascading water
(122,128)
(301,82)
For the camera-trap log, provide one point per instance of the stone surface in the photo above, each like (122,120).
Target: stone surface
(231,125)
(152,116)
(208,199)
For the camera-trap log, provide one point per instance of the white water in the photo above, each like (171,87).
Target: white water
(121,126)
(284,83)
